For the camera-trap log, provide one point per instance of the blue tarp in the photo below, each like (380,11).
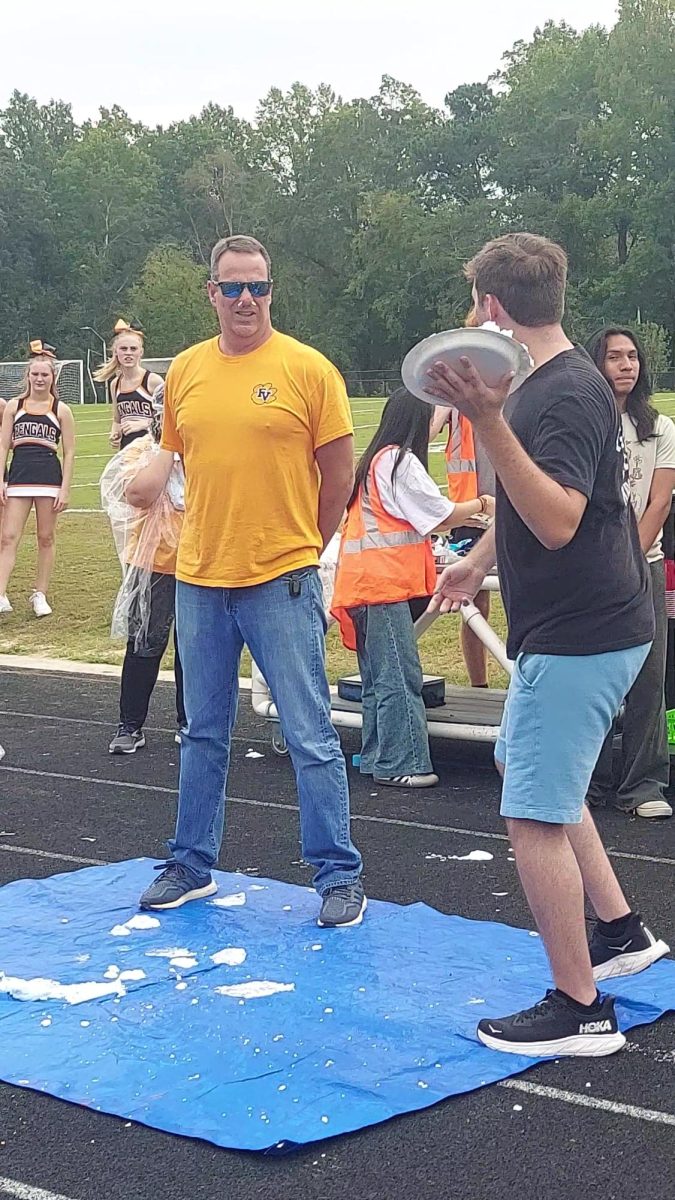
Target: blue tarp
(364,1024)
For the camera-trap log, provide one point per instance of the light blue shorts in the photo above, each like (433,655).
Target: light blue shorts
(559,710)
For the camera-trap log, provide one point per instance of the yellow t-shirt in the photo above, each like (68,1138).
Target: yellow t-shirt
(247,428)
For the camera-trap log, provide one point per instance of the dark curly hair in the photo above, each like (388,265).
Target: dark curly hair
(641,412)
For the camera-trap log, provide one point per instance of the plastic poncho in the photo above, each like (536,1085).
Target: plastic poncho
(146,540)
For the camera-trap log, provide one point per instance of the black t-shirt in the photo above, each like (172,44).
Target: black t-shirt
(593,595)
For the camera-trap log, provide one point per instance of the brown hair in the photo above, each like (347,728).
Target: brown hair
(25,390)
(241,244)
(526,273)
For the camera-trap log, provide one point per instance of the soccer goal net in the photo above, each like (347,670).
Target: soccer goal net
(69,380)
(159,365)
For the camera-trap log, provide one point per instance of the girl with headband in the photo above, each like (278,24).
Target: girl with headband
(142,491)
(131,386)
(33,425)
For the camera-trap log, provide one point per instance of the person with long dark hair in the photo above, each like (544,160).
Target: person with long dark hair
(385,561)
(649,436)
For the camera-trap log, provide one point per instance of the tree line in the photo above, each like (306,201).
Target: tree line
(368,207)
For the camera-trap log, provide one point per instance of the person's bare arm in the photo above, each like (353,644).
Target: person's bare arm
(552,512)
(115,428)
(439,419)
(335,461)
(67,423)
(658,507)
(149,483)
(6,429)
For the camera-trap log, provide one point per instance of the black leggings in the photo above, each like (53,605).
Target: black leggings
(141,667)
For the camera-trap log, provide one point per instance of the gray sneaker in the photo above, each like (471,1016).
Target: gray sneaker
(343,905)
(175,887)
(126,741)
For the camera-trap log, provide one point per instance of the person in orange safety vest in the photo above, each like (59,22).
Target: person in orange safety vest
(386,561)
(470,472)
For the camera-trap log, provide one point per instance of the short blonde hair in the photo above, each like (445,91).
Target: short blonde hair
(241,244)
(526,273)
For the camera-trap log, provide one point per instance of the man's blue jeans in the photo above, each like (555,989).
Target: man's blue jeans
(283,624)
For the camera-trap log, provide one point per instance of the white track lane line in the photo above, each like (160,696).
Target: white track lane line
(611,1106)
(372,820)
(25,1191)
(44,718)
(74,858)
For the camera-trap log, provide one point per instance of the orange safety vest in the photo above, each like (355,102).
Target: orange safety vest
(382,559)
(460,459)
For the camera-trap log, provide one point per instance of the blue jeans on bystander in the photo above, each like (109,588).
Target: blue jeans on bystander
(283,624)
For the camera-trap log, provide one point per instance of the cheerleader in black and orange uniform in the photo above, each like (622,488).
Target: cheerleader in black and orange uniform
(131,386)
(34,424)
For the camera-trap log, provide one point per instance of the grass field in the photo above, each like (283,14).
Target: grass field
(87,573)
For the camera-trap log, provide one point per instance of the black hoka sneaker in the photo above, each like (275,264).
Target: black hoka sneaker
(343,905)
(555,1027)
(626,953)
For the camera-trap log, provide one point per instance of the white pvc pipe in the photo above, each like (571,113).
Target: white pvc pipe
(264,706)
(442,729)
(491,640)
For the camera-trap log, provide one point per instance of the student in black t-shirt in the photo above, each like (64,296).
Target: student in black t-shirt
(581,622)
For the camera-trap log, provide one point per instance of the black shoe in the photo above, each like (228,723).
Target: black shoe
(555,1027)
(632,951)
(175,887)
(126,741)
(343,905)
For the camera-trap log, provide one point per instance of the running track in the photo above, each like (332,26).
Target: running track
(60,789)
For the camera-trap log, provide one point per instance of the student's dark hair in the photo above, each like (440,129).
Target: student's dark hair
(641,412)
(405,423)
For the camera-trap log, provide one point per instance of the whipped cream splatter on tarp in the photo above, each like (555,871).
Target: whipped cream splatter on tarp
(472,856)
(139,921)
(232,956)
(235,900)
(274,1036)
(254,989)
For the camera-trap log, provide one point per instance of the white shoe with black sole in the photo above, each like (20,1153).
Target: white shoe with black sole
(407,781)
(628,953)
(556,1028)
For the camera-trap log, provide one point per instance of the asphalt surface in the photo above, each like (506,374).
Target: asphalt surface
(59,789)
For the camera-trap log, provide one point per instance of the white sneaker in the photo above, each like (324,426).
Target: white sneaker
(2,753)
(39,603)
(654,808)
(5,606)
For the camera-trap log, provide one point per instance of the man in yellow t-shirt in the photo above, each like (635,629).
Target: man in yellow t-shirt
(263,426)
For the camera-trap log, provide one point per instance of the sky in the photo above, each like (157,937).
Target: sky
(163,60)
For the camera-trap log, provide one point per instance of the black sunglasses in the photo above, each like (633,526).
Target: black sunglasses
(261,287)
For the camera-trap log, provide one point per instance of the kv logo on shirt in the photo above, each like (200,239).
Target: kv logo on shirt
(263,393)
